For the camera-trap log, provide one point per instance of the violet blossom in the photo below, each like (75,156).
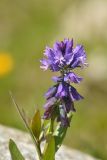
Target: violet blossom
(63,57)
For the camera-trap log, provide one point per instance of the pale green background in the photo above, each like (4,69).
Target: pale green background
(26,27)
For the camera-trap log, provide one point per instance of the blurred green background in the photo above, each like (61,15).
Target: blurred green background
(26,27)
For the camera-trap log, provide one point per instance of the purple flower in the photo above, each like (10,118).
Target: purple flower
(63,55)
(60,98)
(75,96)
(62,91)
(68,103)
(79,57)
(68,91)
(57,79)
(49,107)
(50,102)
(51,92)
(45,64)
(48,113)
(72,77)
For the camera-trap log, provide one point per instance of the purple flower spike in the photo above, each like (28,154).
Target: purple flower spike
(60,98)
(72,77)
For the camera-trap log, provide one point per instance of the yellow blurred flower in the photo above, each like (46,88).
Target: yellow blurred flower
(6,63)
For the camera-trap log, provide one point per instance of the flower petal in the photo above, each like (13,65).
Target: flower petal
(69,105)
(49,53)
(57,79)
(48,113)
(51,92)
(79,56)
(72,77)
(45,64)
(62,90)
(75,96)
(69,46)
(50,102)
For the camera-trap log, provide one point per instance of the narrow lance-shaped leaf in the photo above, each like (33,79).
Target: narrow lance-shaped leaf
(36,124)
(15,153)
(22,114)
(49,150)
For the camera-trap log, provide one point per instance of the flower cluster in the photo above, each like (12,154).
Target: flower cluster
(60,98)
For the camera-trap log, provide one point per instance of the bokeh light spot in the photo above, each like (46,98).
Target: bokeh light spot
(6,63)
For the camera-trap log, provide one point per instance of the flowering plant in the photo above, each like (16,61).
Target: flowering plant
(59,106)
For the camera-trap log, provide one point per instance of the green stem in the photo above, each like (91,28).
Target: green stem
(52,125)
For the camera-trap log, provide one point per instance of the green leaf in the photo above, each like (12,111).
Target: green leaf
(59,136)
(36,124)
(49,151)
(23,116)
(15,153)
(60,133)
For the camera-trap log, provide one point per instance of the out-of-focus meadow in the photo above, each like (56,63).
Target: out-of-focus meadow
(26,27)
